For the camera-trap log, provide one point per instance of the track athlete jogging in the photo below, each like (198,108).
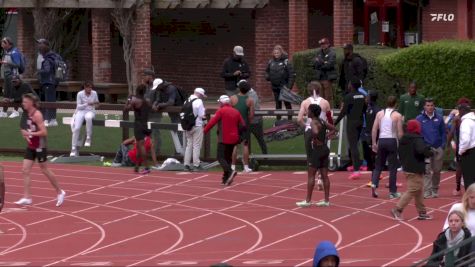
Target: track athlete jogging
(35,133)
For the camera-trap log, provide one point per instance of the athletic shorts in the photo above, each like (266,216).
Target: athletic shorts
(39,154)
(139,131)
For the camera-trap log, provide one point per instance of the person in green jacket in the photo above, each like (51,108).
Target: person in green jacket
(411,104)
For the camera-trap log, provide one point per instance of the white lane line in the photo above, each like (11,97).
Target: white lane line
(345,216)
(124,240)
(120,219)
(368,237)
(45,220)
(86,209)
(45,241)
(284,239)
(424,247)
(271,217)
(206,239)
(195,218)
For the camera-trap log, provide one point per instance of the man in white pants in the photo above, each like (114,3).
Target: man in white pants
(87,101)
(194,137)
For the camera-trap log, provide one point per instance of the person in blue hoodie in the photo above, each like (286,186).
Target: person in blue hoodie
(326,255)
(434,133)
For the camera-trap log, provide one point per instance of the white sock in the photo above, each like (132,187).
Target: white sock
(233,167)
(246,167)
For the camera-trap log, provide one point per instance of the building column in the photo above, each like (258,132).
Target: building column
(101,45)
(464,19)
(271,28)
(298,26)
(142,56)
(342,22)
(25,42)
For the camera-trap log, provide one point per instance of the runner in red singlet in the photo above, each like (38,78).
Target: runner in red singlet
(34,132)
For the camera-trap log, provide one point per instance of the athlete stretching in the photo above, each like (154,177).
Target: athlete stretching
(34,132)
(141,110)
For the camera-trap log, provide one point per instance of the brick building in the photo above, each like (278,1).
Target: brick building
(186,41)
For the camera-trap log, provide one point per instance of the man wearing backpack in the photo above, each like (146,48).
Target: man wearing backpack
(48,80)
(170,96)
(354,67)
(11,65)
(192,116)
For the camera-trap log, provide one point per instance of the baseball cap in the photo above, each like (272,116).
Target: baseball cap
(224,99)
(324,41)
(156,83)
(200,91)
(238,50)
(148,72)
(347,46)
(413,126)
(42,41)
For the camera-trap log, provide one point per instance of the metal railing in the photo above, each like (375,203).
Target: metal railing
(467,260)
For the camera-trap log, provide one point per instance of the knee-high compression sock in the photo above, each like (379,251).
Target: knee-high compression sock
(2,195)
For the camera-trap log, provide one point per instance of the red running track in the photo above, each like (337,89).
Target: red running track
(115,217)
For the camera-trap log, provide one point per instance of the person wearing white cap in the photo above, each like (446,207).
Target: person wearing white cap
(235,68)
(194,137)
(151,95)
(230,125)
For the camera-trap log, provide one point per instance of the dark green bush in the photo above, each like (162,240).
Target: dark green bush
(376,80)
(444,70)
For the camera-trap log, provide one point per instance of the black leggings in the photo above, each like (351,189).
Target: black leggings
(278,103)
(353,131)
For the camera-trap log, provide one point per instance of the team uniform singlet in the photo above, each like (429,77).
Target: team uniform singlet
(36,149)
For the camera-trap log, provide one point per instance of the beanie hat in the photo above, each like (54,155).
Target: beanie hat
(413,126)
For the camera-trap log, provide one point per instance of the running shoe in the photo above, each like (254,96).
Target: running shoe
(247,170)
(319,184)
(424,217)
(396,214)
(14,114)
(233,167)
(394,195)
(24,201)
(74,153)
(456,193)
(369,184)
(145,171)
(52,123)
(231,178)
(136,169)
(350,168)
(61,198)
(373,192)
(354,176)
(303,204)
(323,203)
(3,114)
(187,168)
(198,168)
(116,164)
(428,195)
(435,194)
(364,168)
(88,142)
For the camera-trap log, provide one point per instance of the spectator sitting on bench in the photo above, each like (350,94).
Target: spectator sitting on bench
(127,157)
(87,101)
(18,90)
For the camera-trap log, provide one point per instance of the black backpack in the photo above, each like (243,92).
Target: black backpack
(181,96)
(60,68)
(188,118)
(365,64)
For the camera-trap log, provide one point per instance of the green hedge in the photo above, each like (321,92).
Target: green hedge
(376,80)
(444,70)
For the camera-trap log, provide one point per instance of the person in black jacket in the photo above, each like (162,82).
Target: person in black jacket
(325,68)
(450,237)
(352,68)
(370,115)
(280,73)
(169,96)
(235,68)
(412,154)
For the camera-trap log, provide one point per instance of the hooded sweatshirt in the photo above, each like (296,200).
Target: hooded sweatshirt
(280,72)
(467,133)
(325,249)
(412,152)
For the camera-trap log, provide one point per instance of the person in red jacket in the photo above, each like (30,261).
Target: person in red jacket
(230,125)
